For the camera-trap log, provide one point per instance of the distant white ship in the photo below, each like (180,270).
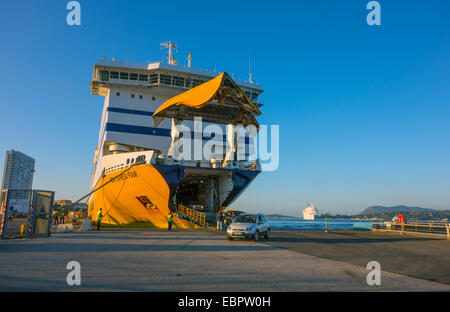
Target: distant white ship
(310,212)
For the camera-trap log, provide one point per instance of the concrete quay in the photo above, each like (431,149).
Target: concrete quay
(194,260)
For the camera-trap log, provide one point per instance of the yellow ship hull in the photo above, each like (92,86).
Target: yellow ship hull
(140,194)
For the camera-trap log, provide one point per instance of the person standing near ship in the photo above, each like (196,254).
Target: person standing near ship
(61,217)
(170,220)
(219,219)
(55,218)
(99,218)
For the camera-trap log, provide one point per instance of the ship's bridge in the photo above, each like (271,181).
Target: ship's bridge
(111,73)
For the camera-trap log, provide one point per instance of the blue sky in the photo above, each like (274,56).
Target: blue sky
(364,111)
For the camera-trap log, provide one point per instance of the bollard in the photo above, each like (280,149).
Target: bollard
(3,212)
(30,221)
(448,230)
(326,226)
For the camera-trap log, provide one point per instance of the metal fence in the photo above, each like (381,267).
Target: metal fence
(193,215)
(441,229)
(25,212)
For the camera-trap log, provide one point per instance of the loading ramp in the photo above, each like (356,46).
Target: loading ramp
(192,215)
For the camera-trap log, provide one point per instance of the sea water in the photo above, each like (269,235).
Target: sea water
(318,224)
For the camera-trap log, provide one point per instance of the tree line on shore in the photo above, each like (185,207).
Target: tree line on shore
(409,215)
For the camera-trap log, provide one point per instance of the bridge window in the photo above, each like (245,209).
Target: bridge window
(165,79)
(143,77)
(133,76)
(124,76)
(188,83)
(178,81)
(196,82)
(104,75)
(154,78)
(114,75)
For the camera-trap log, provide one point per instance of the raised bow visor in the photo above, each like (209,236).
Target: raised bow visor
(219,100)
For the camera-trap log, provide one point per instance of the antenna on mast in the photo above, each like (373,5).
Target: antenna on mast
(189,58)
(249,70)
(172,46)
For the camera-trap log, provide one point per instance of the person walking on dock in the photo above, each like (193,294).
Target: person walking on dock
(170,220)
(61,217)
(219,219)
(99,219)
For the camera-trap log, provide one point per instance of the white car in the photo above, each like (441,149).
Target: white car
(252,226)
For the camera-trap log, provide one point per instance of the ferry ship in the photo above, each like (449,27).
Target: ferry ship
(139,175)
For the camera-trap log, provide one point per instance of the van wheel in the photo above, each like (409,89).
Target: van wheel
(267,234)
(256,238)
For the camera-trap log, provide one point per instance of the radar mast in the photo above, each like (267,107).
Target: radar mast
(171,46)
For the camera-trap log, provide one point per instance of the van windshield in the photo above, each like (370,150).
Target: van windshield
(245,219)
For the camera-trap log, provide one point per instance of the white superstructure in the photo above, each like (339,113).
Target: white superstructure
(310,212)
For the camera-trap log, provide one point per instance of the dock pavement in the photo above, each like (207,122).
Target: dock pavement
(203,260)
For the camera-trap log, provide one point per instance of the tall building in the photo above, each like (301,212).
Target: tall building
(18,171)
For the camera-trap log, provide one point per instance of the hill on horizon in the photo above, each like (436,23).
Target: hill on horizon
(399,208)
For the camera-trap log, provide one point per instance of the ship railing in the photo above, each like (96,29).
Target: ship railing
(245,165)
(192,214)
(437,228)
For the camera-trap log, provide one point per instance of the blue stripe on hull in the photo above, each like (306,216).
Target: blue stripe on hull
(129,111)
(153,131)
(137,129)
(146,130)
